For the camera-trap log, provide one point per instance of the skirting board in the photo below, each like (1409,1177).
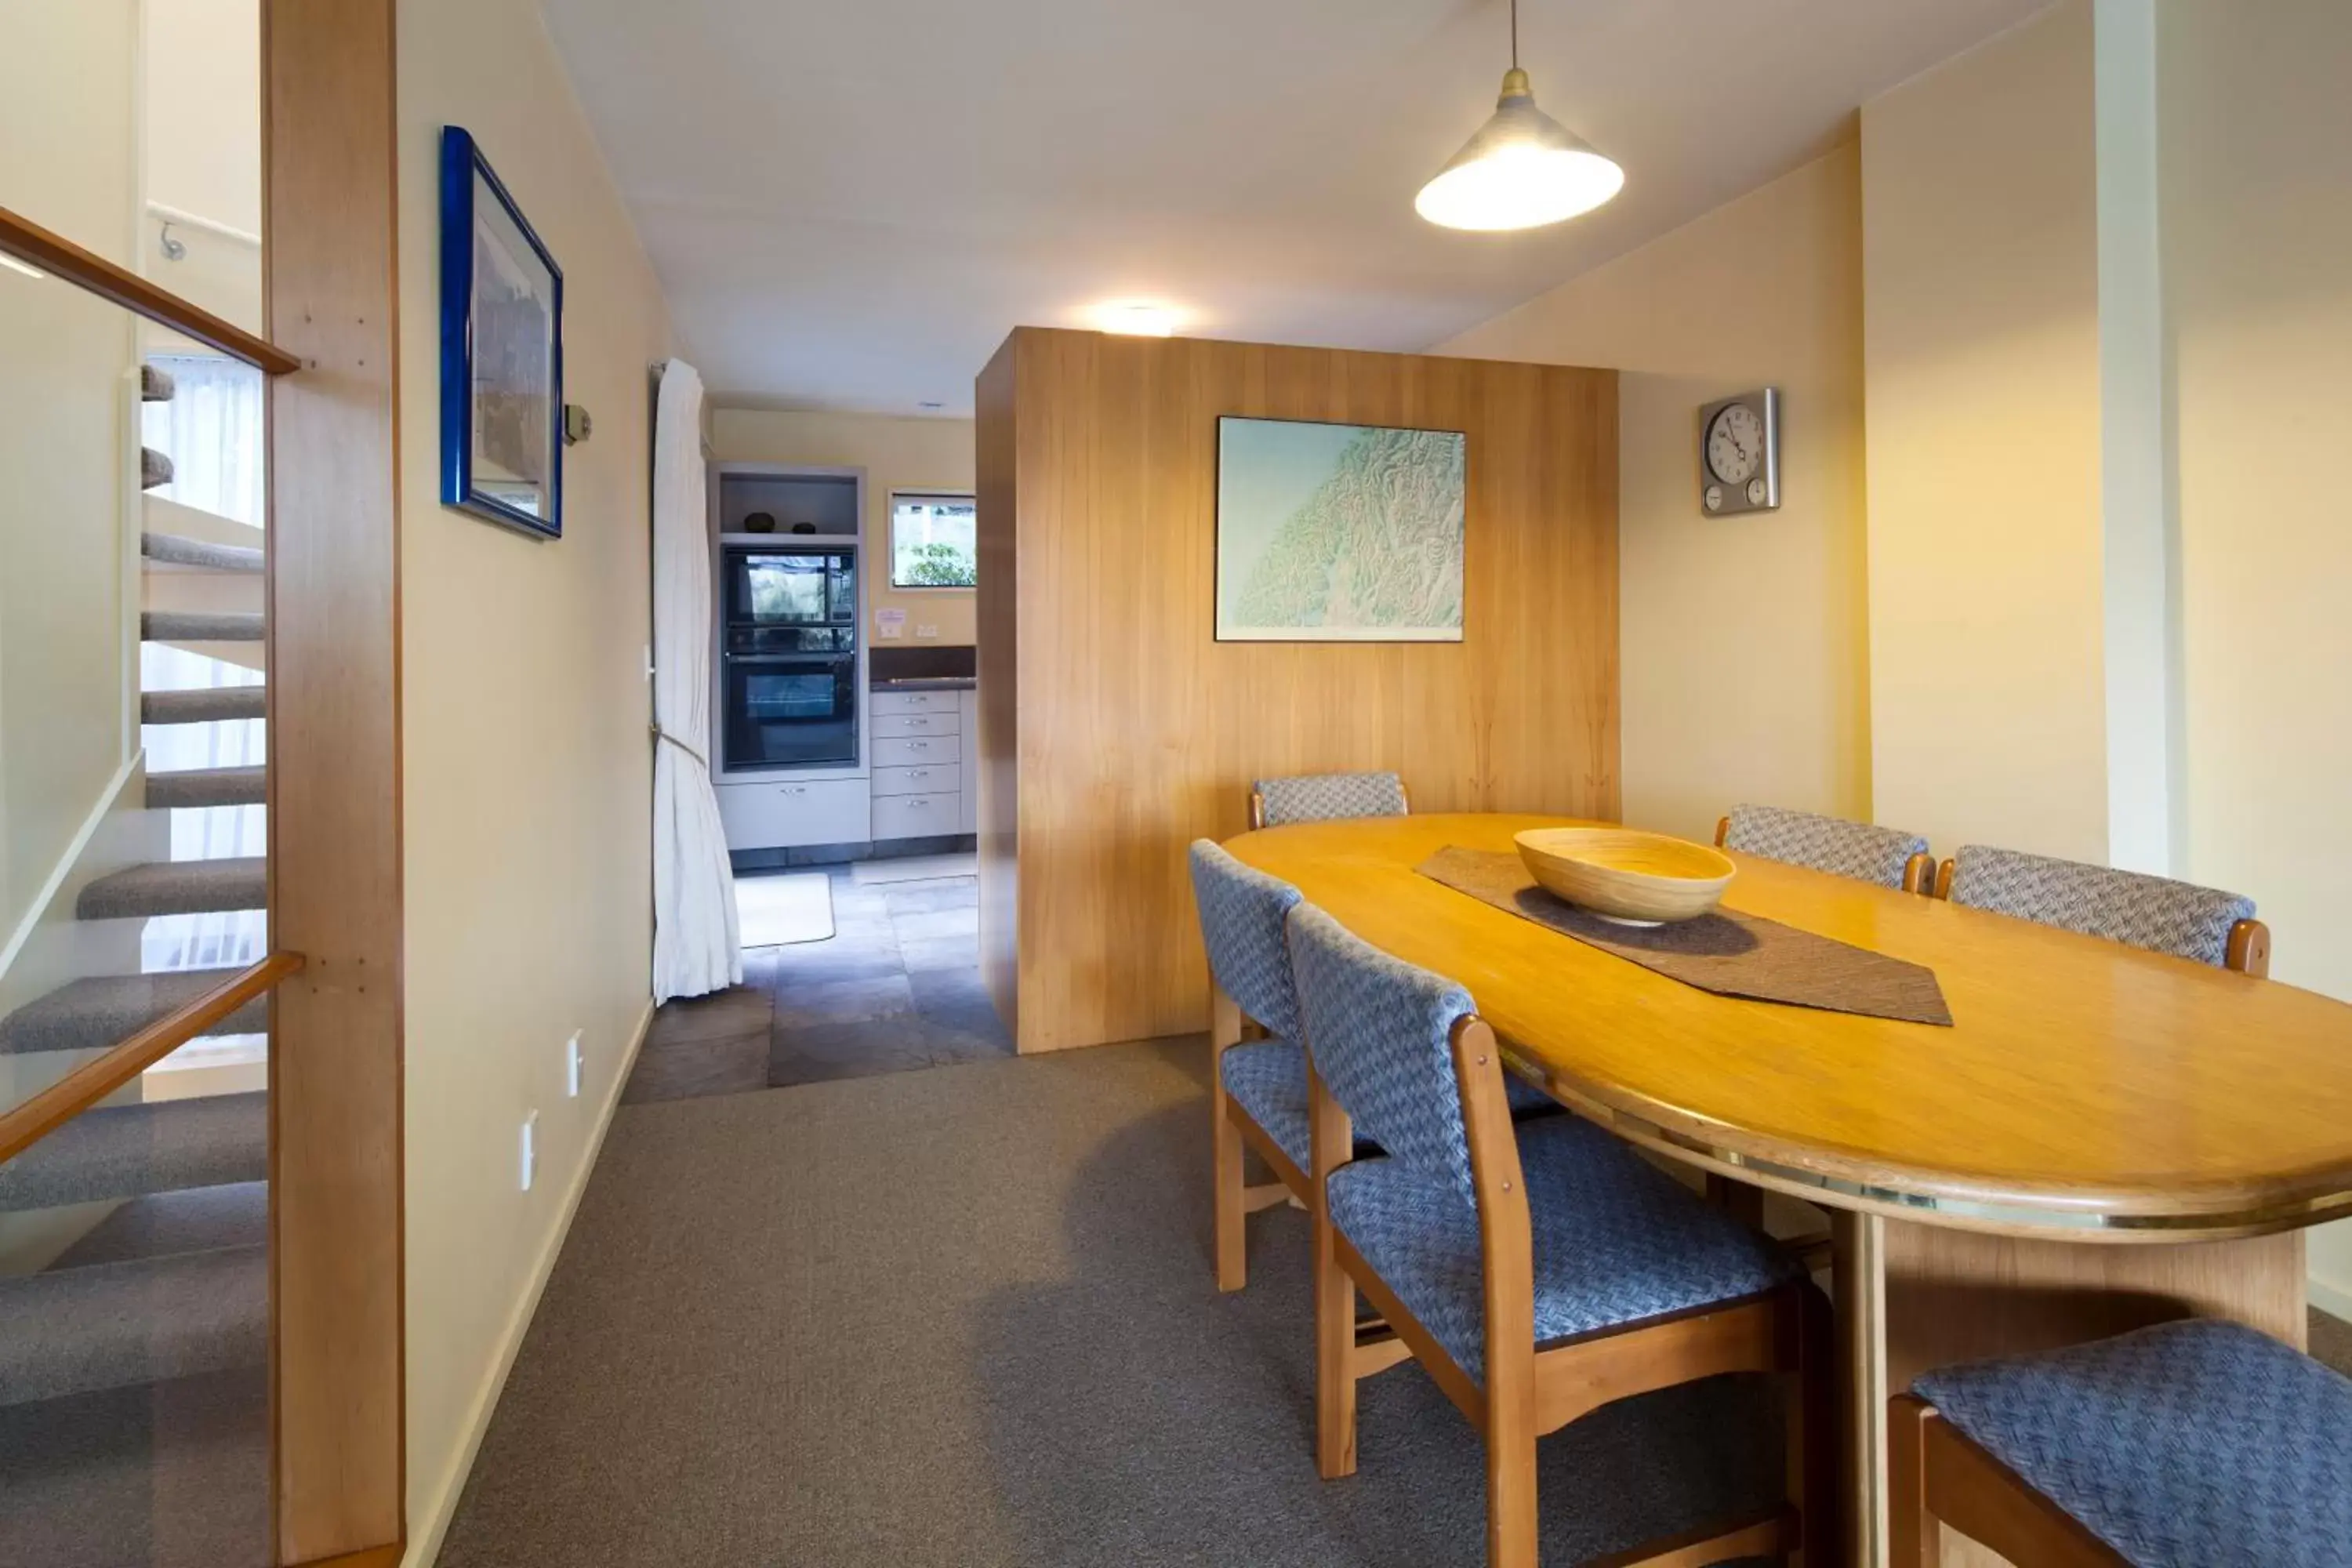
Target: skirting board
(426,1533)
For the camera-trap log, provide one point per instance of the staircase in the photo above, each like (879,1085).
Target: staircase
(132,1360)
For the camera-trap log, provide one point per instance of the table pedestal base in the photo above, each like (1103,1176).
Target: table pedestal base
(1911,1297)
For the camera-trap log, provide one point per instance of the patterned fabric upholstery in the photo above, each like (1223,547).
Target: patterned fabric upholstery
(2190,1444)
(1268,1080)
(2153,913)
(1616,1240)
(1378,1029)
(1832,843)
(1322,797)
(1241,911)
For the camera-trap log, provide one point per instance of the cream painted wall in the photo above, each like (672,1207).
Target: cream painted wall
(69,159)
(527,785)
(1744,661)
(896,454)
(2255,131)
(204,109)
(1981,359)
(202,130)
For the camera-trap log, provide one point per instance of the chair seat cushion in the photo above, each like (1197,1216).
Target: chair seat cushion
(2191,1445)
(1616,1240)
(1267,1078)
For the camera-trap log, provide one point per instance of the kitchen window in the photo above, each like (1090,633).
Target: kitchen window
(933,539)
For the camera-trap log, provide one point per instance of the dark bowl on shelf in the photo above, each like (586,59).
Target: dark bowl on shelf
(760,522)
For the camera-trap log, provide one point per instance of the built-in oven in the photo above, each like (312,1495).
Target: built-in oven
(788,657)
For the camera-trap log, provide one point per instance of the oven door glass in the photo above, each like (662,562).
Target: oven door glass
(778,590)
(790,712)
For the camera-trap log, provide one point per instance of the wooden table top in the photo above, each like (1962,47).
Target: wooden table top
(2086,1085)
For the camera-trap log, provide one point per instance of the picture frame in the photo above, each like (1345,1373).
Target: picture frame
(1337,532)
(501,351)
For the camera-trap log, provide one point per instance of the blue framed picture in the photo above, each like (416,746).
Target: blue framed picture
(501,351)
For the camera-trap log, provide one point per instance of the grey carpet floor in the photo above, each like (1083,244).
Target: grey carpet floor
(965,1317)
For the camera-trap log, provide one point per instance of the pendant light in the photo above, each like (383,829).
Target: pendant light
(1523,170)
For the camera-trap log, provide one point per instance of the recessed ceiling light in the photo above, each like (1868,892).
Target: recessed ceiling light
(13,265)
(930,405)
(1138,319)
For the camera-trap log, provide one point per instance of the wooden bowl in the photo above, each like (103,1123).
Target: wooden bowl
(1625,874)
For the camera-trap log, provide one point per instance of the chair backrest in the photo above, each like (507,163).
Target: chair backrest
(2129,906)
(1379,1032)
(1242,912)
(1857,849)
(1325,798)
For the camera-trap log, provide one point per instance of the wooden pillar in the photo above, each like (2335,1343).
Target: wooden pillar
(337,1377)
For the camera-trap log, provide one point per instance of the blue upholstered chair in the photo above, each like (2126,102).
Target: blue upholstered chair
(1326,797)
(1832,843)
(1258,1089)
(2190,1444)
(1536,1272)
(2154,912)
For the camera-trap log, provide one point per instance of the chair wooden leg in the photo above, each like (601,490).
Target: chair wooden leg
(1916,1538)
(1511,1484)
(1335,1359)
(1225,1151)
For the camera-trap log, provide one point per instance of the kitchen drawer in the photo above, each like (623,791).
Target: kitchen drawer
(888,726)
(932,778)
(916,815)
(891,702)
(916,750)
(782,815)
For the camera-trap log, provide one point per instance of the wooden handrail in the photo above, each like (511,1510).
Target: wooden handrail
(92,1081)
(61,258)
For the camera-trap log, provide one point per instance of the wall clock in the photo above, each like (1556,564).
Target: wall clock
(1739,454)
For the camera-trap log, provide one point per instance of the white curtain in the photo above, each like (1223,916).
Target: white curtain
(697,947)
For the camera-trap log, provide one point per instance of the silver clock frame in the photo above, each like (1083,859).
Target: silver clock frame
(1733,499)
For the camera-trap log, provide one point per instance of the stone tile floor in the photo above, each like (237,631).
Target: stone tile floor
(896,986)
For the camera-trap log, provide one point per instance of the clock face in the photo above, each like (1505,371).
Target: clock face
(1734,443)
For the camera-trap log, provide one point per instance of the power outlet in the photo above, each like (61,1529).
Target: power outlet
(530,1150)
(926,631)
(575,1058)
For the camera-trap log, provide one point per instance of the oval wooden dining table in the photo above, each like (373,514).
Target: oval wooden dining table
(2102,1138)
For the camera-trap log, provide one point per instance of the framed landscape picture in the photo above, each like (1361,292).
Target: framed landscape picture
(501,351)
(1339,533)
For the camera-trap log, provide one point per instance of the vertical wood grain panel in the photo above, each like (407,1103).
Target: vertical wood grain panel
(1136,731)
(999,668)
(334,781)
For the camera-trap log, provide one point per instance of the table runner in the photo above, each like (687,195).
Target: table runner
(1727,952)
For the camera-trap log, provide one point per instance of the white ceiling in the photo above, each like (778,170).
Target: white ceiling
(851,202)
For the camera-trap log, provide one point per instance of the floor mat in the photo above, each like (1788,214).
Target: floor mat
(778,911)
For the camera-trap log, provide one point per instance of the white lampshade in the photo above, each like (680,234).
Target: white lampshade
(1523,170)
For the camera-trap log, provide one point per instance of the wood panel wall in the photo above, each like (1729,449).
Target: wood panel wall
(337,1371)
(1125,730)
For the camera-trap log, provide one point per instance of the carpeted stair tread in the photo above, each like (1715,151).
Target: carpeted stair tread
(191,788)
(93,1014)
(200,625)
(177,887)
(178,550)
(115,1325)
(204,705)
(198,1219)
(129,1150)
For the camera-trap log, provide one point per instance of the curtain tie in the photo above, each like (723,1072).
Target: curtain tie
(659,733)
